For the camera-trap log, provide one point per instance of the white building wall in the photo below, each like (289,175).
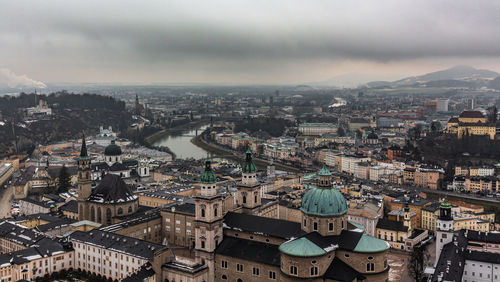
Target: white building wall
(478,271)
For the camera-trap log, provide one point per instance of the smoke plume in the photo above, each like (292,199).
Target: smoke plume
(14,80)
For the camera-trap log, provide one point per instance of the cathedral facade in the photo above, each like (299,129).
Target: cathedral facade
(111,198)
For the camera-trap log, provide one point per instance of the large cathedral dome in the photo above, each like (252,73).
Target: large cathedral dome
(323,202)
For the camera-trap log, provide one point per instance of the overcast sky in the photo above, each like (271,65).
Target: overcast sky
(262,42)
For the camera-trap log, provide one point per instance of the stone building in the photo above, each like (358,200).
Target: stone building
(323,246)
(112,197)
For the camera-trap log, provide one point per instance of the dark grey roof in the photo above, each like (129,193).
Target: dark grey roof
(55,225)
(146,271)
(263,225)
(111,189)
(479,236)
(118,167)
(99,166)
(451,262)
(18,234)
(471,114)
(186,208)
(113,149)
(35,202)
(71,206)
(249,250)
(130,162)
(340,271)
(44,248)
(483,256)
(384,223)
(432,207)
(120,243)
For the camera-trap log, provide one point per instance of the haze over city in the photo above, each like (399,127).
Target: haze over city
(242,42)
(241,141)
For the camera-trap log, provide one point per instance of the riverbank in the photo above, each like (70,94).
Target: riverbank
(221,152)
(160,134)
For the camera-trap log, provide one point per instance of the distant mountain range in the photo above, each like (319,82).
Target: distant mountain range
(458,76)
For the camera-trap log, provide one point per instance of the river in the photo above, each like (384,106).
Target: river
(180,143)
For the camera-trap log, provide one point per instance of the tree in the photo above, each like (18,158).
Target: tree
(64,180)
(418,259)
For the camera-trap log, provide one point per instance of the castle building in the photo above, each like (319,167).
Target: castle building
(471,123)
(112,197)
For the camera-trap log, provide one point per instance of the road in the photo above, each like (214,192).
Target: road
(6,196)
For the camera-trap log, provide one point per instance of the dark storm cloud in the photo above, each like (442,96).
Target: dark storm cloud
(242,36)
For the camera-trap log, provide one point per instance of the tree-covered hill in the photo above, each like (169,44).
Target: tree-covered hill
(72,114)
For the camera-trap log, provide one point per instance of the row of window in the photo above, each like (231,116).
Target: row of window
(330,225)
(313,271)
(272,275)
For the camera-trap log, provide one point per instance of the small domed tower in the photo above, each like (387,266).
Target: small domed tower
(444,227)
(324,208)
(113,153)
(249,189)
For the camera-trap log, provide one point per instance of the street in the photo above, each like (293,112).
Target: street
(6,196)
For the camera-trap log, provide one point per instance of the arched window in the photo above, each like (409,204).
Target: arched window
(244,199)
(314,271)
(224,277)
(92,214)
(370,266)
(99,217)
(120,210)
(202,212)
(215,210)
(108,216)
(255,197)
(239,280)
(293,270)
(129,209)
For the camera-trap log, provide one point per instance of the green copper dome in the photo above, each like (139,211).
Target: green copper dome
(301,247)
(323,202)
(324,171)
(370,244)
(445,205)
(208,176)
(248,166)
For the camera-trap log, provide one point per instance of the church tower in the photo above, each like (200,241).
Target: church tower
(407,218)
(208,219)
(444,228)
(84,181)
(249,189)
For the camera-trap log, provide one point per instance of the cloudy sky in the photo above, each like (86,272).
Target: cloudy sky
(262,42)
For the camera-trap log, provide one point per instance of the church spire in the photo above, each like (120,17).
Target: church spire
(83,152)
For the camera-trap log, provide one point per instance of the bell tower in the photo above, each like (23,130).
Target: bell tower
(444,228)
(208,219)
(84,181)
(249,189)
